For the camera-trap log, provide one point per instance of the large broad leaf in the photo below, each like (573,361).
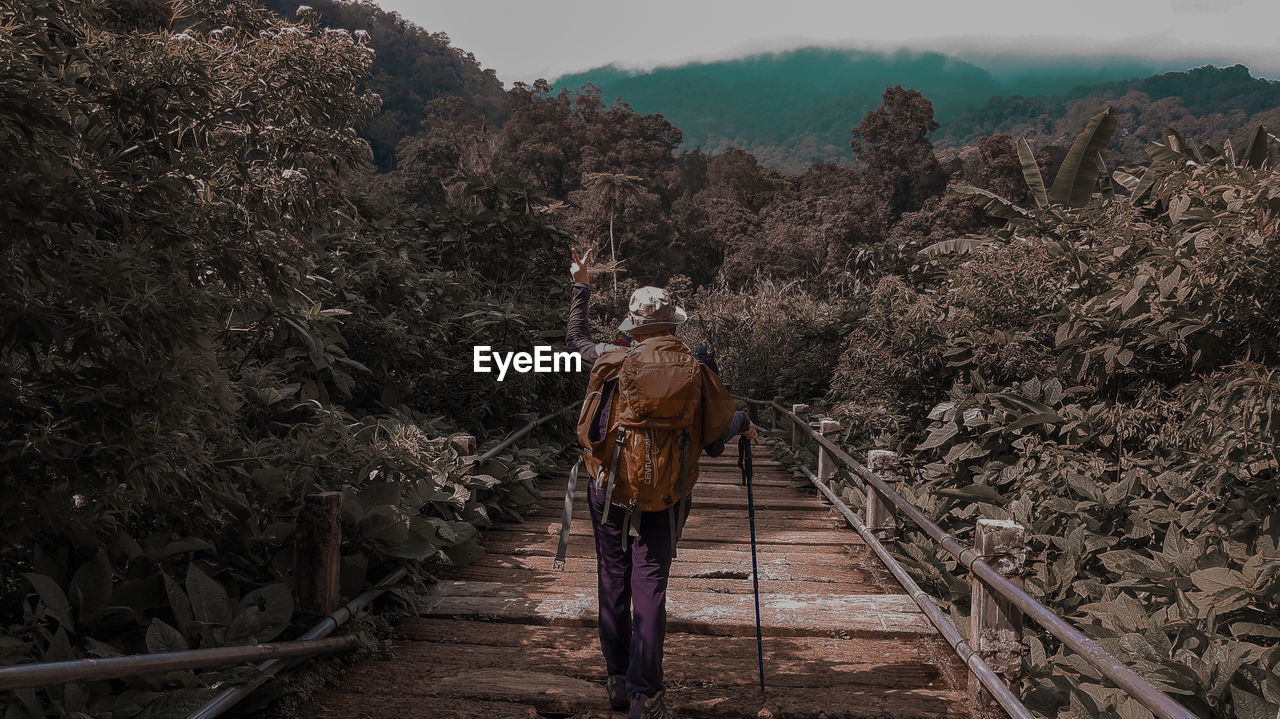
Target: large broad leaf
(54,599)
(1035,418)
(939,436)
(1031,173)
(1104,177)
(1078,174)
(991,202)
(1162,154)
(1126,180)
(1247,705)
(977,493)
(1180,144)
(91,586)
(209,602)
(262,615)
(162,638)
(958,246)
(1256,153)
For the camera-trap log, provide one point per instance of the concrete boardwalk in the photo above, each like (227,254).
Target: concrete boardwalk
(509,637)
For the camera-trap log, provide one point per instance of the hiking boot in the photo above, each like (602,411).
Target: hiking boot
(616,686)
(653,707)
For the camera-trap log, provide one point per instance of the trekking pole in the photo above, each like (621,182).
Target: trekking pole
(744,461)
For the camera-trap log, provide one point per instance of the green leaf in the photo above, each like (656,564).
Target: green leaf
(1247,705)
(1216,579)
(1027,420)
(977,493)
(1078,175)
(1255,155)
(939,436)
(1031,172)
(958,246)
(91,586)
(262,615)
(163,638)
(209,602)
(994,204)
(54,600)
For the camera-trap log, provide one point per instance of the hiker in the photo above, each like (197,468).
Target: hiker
(647,403)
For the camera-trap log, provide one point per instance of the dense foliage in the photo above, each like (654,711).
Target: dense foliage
(1107,377)
(199,329)
(411,68)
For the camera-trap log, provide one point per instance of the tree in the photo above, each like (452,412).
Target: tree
(610,190)
(892,146)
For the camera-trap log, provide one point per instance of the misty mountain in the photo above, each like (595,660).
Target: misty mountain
(796,107)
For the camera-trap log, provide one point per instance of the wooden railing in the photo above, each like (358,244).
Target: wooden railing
(995,563)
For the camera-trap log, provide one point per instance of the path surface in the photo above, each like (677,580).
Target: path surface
(508,637)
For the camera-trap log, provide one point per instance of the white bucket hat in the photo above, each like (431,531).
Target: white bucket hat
(651,307)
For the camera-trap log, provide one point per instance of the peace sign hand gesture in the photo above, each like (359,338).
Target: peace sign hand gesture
(578,270)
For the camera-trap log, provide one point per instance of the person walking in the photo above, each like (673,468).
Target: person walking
(647,404)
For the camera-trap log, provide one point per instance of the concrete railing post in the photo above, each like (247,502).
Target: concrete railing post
(317,553)
(797,434)
(828,428)
(775,413)
(880,520)
(995,625)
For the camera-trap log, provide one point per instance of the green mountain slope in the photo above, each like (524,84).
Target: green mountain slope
(796,107)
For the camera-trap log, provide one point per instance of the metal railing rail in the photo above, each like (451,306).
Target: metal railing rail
(1156,701)
(1000,691)
(511,438)
(231,695)
(29,676)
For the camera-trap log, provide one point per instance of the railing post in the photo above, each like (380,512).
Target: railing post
(797,434)
(464,444)
(880,520)
(776,413)
(995,625)
(316,553)
(826,463)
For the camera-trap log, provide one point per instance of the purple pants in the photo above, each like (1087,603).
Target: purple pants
(632,593)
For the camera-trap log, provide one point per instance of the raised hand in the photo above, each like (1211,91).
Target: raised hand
(578,270)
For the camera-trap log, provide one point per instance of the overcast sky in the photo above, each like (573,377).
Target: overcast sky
(528,39)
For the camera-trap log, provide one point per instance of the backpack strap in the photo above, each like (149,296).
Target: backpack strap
(682,486)
(672,517)
(613,475)
(563,548)
(627,519)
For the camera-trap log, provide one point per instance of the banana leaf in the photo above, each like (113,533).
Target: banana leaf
(1031,172)
(1256,153)
(991,202)
(1078,175)
(959,246)
(1162,154)
(1178,143)
(1126,180)
(1104,178)
(1229,152)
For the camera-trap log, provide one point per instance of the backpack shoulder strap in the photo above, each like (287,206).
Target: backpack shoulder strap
(563,548)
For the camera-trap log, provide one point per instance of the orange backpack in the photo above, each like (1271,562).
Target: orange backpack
(646,457)
(647,452)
